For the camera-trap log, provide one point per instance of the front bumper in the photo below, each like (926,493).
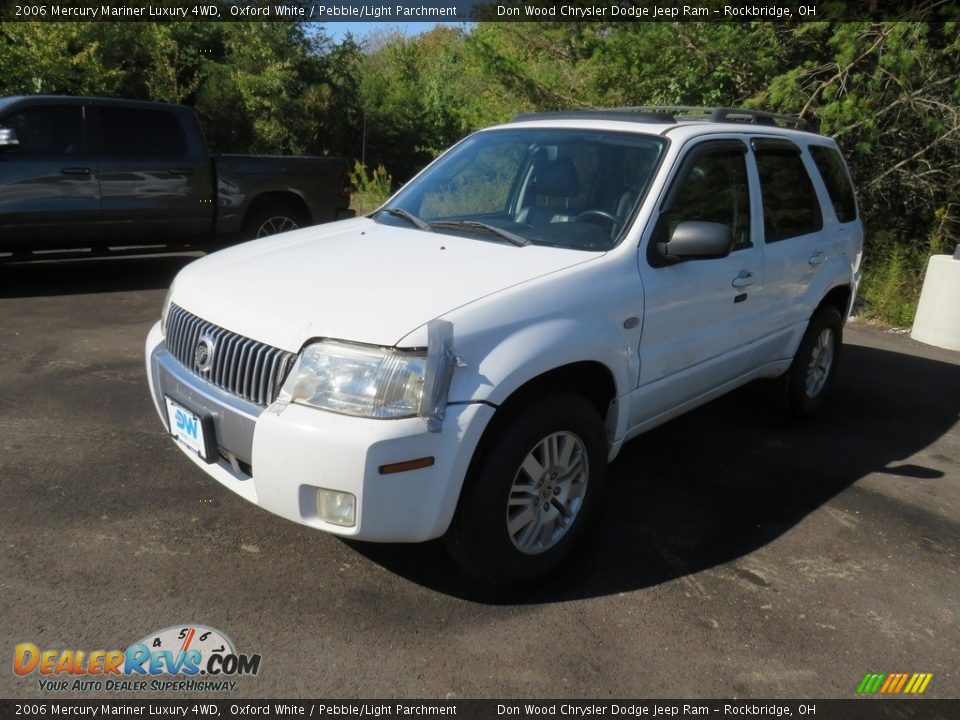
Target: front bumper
(278,460)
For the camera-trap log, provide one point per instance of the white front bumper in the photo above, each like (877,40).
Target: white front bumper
(300,449)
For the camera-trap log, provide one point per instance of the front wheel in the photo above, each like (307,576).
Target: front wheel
(531,491)
(807,383)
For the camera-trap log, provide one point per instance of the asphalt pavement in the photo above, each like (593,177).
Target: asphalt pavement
(740,554)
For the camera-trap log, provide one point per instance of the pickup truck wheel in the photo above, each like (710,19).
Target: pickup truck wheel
(809,379)
(532,492)
(273,219)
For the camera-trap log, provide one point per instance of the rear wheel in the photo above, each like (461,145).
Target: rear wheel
(532,491)
(273,219)
(809,380)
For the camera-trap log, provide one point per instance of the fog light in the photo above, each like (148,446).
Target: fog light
(337,508)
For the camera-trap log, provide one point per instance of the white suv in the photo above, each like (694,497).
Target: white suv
(467,360)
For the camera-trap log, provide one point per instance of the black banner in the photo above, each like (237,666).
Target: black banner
(854,709)
(400,11)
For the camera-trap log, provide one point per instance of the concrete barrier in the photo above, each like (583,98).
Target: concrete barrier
(938,314)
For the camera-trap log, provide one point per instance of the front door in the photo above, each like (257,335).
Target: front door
(49,187)
(698,313)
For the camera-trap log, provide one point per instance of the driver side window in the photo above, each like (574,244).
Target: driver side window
(482,187)
(715,190)
(47,130)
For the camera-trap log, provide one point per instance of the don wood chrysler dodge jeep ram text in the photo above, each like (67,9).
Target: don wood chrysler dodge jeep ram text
(467,360)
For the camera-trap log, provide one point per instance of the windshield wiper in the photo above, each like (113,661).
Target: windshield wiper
(409,217)
(510,237)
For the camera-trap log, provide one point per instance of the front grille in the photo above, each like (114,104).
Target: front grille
(241,366)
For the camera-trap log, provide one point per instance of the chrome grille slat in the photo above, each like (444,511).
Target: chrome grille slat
(194,336)
(228,360)
(246,368)
(227,341)
(243,369)
(254,373)
(271,372)
(185,338)
(216,372)
(176,330)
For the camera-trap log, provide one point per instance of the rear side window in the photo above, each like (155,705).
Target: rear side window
(47,130)
(790,206)
(133,132)
(835,177)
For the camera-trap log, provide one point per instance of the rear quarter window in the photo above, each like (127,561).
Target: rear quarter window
(834,174)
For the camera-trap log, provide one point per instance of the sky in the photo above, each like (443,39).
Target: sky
(338,30)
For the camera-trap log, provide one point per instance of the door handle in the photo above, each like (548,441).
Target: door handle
(818,258)
(75,171)
(744,279)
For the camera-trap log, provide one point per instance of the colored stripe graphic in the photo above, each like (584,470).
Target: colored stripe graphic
(903,679)
(870,683)
(918,683)
(894,683)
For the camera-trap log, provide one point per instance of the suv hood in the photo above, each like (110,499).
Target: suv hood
(354,280)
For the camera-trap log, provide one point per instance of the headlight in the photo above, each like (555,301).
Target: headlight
(358,380)
(166,309)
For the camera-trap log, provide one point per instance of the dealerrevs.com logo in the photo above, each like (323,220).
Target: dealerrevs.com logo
(185,657)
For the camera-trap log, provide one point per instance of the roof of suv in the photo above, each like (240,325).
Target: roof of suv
(684,121)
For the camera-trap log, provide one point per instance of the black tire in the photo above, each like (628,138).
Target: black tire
(802,389)
(479,540)
(273,218)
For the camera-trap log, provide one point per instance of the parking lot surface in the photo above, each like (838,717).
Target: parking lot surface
(740,554)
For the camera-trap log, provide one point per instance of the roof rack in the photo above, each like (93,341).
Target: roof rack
(673,114)
(727,114)
(628,114)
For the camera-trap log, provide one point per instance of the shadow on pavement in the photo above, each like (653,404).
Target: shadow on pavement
(94,275)
(726,479)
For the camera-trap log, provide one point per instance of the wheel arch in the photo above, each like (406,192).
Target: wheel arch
(839,297)
(589,378)
(273,198)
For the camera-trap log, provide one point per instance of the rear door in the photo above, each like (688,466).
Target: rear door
(796,241)
(49,189)
(155,178)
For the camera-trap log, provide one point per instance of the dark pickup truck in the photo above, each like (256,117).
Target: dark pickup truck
(78,172)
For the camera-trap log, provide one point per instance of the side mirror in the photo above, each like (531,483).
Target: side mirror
(8,138)
(695,240)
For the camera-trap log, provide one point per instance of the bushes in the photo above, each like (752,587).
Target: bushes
(894,267)
(370,189)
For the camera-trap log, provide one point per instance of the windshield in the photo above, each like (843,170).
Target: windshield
(565,188)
